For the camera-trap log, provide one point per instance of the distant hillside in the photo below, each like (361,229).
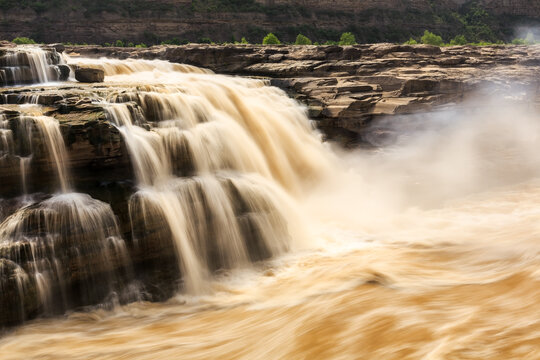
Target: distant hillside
(100,21)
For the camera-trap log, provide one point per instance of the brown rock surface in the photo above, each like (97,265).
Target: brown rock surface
(89,75)
(350,88)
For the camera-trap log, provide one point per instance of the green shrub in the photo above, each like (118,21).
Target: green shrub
(173,41)
(459,40)
(23,40)
(271,39)
(119,43)
(519,41)
(347,39)
(411,41)
(141,45)
(130,44)
(302,40)
(528,40)
(204,40)
(431,39)
(244,41)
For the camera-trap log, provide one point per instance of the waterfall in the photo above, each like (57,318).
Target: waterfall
(37,136)
(53,242)
(217,163)
(49,130)
(202,213)
(32,64)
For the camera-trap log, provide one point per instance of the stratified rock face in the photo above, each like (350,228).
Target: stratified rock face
(153,21)
(97,152)
(89,75)
(348,89)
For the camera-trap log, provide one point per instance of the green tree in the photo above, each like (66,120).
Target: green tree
(347,39)
(271,39)
(205,40)
(411,41)
(23,40)
(119,43)
(244,41)
(459,40)
(173,41)
(431,39)
(302,40)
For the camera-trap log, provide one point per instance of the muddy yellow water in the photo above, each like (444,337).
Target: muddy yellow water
(462,283)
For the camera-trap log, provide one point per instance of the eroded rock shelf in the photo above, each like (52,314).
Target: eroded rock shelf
(348,89)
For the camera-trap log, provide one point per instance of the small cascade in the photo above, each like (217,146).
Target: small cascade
(38,139)
(32,64)
(70,247)
(6,137)
(122,69)
(49,130)
(215,222)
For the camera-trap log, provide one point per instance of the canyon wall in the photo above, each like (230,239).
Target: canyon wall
(198,20)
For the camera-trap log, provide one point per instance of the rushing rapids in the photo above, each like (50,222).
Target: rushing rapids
(427,248)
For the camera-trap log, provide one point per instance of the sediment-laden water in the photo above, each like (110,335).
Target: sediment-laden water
(284,248)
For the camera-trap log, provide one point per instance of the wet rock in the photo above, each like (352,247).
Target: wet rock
(19,298)
(59,47)
(96,151)
(89,75)
(64,72)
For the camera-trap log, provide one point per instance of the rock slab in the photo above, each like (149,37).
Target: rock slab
(89,75)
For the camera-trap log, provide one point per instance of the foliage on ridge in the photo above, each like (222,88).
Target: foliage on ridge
(470,21)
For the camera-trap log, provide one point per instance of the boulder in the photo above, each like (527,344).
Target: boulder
(64,71)
(89,75)
(59,47)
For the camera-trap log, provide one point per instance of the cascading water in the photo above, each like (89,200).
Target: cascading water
(58,251)
(215,166)
(201,130)
(44,239)
(32,64)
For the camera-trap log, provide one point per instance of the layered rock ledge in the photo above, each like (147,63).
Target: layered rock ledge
(348,89)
